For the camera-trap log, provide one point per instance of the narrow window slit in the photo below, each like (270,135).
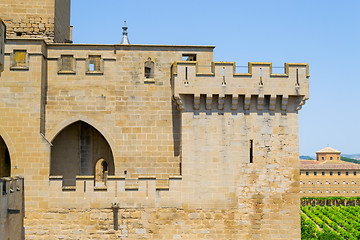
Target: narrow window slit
(223,82)
(297,77)
(251,151)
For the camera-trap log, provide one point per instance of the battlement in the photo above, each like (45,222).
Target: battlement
(11,208)
(222,80)
(129,192)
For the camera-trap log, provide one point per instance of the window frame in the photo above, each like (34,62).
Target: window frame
(101,65)
(13,63)
(60,65)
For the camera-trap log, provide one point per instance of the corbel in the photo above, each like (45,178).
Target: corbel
(284,102)
(260,102)
(234,102)
(302,102)
(208,102)
(272,103)
(196,102)
(179,103)
(221,102)
(247,101)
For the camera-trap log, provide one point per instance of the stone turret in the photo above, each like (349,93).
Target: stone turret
(46,19)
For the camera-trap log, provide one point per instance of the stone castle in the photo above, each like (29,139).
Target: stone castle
(131,141)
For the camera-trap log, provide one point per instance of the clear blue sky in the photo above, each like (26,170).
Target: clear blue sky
(325,34)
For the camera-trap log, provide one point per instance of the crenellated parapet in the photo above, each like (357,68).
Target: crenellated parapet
(222,80)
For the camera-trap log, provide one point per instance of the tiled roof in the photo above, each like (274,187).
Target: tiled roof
(328,150)
(315,165)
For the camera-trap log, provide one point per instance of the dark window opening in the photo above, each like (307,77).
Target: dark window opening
(18,34)
(315,173)
(149,68)
(67,63)
(251,151)
(76,150)
(330,158)
(322,158)
(339,173)
(323,173)
(223,82)
(5,164)
(347,173)
(354,173)
(189,57)
(307,173)
(330,173)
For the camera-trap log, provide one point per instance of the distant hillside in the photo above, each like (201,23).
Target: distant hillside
(350,160)
(302,157)
(353,156)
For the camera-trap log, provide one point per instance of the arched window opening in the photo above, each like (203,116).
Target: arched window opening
(76,151)
(101,172)
(149,68)
(5,164)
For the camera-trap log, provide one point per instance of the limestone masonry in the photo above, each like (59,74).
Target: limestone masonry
(131,141)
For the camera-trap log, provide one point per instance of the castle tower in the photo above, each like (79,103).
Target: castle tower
(46,19)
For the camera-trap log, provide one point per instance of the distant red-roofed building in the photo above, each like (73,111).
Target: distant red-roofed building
(329,176)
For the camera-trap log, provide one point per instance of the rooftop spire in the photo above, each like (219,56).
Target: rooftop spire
(125,39)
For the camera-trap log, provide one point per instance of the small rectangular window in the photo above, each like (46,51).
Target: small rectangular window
(251,151)
(67,63)
(354,173)
(339,173)
(19,60)
(94,63)
(307,173)
(315,173)
(189,57)
(323,173)
(330,173)
(347,173)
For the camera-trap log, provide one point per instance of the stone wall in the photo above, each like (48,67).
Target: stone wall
(36,19)
(194,157)
(155,223)
(11,208)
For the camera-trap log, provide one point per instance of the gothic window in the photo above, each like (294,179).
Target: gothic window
(4,160)
(76,151)
(149,69)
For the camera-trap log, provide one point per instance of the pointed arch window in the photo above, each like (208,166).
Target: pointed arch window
(76,150)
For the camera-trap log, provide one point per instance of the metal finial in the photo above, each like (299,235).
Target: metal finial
(125,39)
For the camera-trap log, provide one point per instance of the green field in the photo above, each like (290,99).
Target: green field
(330,222)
